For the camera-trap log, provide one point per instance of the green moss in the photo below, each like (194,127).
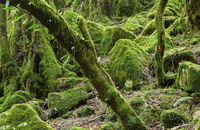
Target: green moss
(67,115)
(22,117)
(173,117)
(109,126)
(77,128)
(85,111)
(60,103)
(188,77)
(197,126)
(16,98)
(111,35)
(127,60)
(72,82)
(138,104)
(173,57)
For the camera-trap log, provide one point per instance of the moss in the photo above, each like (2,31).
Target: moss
(60,103)
(188,77)
(127,60)
(138,104)
(67,115)
(111,35)
(77,128)
(72,82)
(16,98)
(85,111)
(23,117)
(173,57)
(197,127)
(109,126)
(173,117)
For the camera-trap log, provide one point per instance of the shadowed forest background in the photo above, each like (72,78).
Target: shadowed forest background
(99,64)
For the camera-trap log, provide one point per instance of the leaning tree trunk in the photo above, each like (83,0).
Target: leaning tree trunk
(83,51)
(158,65)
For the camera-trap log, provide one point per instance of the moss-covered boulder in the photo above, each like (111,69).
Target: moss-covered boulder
(22,117)
(138,104)
(188,77)
(127,60)
(173,57)
(109,126)
(173,117)
(77,128)
(72,82)
(85,111)
(15,98)
(111,35)
(59,103)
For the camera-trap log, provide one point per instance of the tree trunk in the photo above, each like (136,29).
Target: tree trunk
(83,51)
(158,65)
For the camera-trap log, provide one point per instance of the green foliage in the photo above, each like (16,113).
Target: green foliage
(22,117)
(126,62)
(59,103)
(173,117)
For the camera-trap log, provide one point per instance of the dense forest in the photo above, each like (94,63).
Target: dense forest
(99,64)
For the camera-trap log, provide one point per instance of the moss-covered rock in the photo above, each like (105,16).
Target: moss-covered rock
(138,104)
(22,117)
(173,117)
(188,77)
(85,111)
(127,60)
(59,103)
(77,128)
(109,126)
(173,57)
(72,82)
(111,35)
(16,98)
(197,126)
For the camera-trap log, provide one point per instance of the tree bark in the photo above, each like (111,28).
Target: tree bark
(158,65)
(83,51)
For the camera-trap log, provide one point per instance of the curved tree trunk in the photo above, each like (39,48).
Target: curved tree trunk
(84,52)
(158,65)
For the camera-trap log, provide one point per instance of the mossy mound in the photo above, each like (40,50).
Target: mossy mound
(109,126)
(72,82)
(59,103)
(148,43)
(22,117)
(77,128)
(16,98)
(85,111)
(171,118)
(138,104)
(188,77)
(126,62)
(197,126)
(111,35)
(173,57)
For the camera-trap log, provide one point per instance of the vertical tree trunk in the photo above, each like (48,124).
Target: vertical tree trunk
(83,51)
(158,65)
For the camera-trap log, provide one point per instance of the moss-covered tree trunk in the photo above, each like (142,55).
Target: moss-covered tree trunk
(83,51)
(158,65)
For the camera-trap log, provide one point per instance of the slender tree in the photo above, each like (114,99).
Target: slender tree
(158,65)
(83,51)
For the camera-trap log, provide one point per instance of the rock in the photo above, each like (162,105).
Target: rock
(59,103)
(85,111)
(173,117)
(16,98)
(173,57)
(22,117)
(127,61)
(111,35)
(188,77)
